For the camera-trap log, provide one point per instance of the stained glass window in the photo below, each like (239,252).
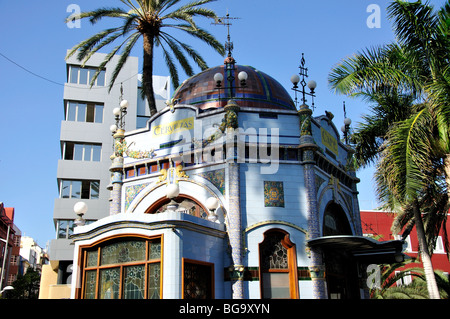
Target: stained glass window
(90,284)
(197,281)
(91,258)
(109,283)
(134,282)
(122,252)
(274,254)
(125,268)
(154,277)
(277,266)
(185,205)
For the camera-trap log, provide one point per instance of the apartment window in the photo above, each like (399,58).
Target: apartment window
(122,268)
(84,112)
(14,260)
(82,152)
(408,247)
(83,189)
(405,280)
(439,248)
(64,227)
(79,75)
(17,241)
(278,266)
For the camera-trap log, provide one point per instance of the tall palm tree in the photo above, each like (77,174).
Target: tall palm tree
(412,141)
(403,175)
(149,19)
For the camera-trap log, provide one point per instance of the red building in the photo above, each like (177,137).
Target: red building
(9,257)
(379,224)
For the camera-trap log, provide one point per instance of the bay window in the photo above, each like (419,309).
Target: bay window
(122,268)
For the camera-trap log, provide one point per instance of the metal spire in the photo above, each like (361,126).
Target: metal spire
(226,21)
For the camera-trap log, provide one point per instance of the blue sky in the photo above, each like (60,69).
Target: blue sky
(270,36)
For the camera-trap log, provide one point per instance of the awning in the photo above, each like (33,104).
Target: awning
(363,249)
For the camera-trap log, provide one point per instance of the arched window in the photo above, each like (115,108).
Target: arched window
(335,221)
(182,204)
(278,266)
(122,268)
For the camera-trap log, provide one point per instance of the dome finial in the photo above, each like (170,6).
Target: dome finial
(228,44)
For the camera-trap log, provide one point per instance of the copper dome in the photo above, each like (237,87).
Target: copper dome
(261,91)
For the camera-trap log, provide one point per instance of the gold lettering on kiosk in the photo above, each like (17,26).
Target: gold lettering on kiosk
(329,141)
(172,127)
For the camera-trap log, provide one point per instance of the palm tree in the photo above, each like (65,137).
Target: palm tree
(410,143)
(149,19)
(403,175)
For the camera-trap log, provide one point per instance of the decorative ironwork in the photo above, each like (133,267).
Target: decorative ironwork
(226,21)
(197,281)
(274,254)
(295,79)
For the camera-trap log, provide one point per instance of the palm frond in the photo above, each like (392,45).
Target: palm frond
(136,10)
(96,15)
(375,68)
(172,68)
(192,53)
(131,41)
(387,106)
(201,34)
(89,43)
(178,54)
(166,4)
(405,165)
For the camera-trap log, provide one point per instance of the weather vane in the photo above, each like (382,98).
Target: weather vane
(226,21)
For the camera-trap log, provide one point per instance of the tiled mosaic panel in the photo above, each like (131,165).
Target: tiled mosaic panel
(273,194)
(131,192)
(217,178)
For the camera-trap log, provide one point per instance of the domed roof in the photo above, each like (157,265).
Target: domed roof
(261,91)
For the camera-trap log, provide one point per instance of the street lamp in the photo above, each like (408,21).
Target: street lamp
(219,78)
(172,191)
(116,169)
(346,127)
(119,115)
(80,208)
(211,205)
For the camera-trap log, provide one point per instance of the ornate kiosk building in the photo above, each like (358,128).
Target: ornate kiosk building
(231,191)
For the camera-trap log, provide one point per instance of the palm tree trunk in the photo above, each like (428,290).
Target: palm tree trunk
(447,174)
(147,73)
(432,287)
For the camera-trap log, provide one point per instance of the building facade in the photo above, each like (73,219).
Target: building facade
(10,236)
(231,191)
(32,255)
(86,144)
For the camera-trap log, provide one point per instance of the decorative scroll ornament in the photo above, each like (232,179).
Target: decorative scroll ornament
(172,175)
(171,104)
(122,148)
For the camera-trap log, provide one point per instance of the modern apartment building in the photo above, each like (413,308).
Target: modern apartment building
(86,146)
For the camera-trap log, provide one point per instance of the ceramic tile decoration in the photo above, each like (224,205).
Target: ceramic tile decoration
(273,194)
(216,177)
